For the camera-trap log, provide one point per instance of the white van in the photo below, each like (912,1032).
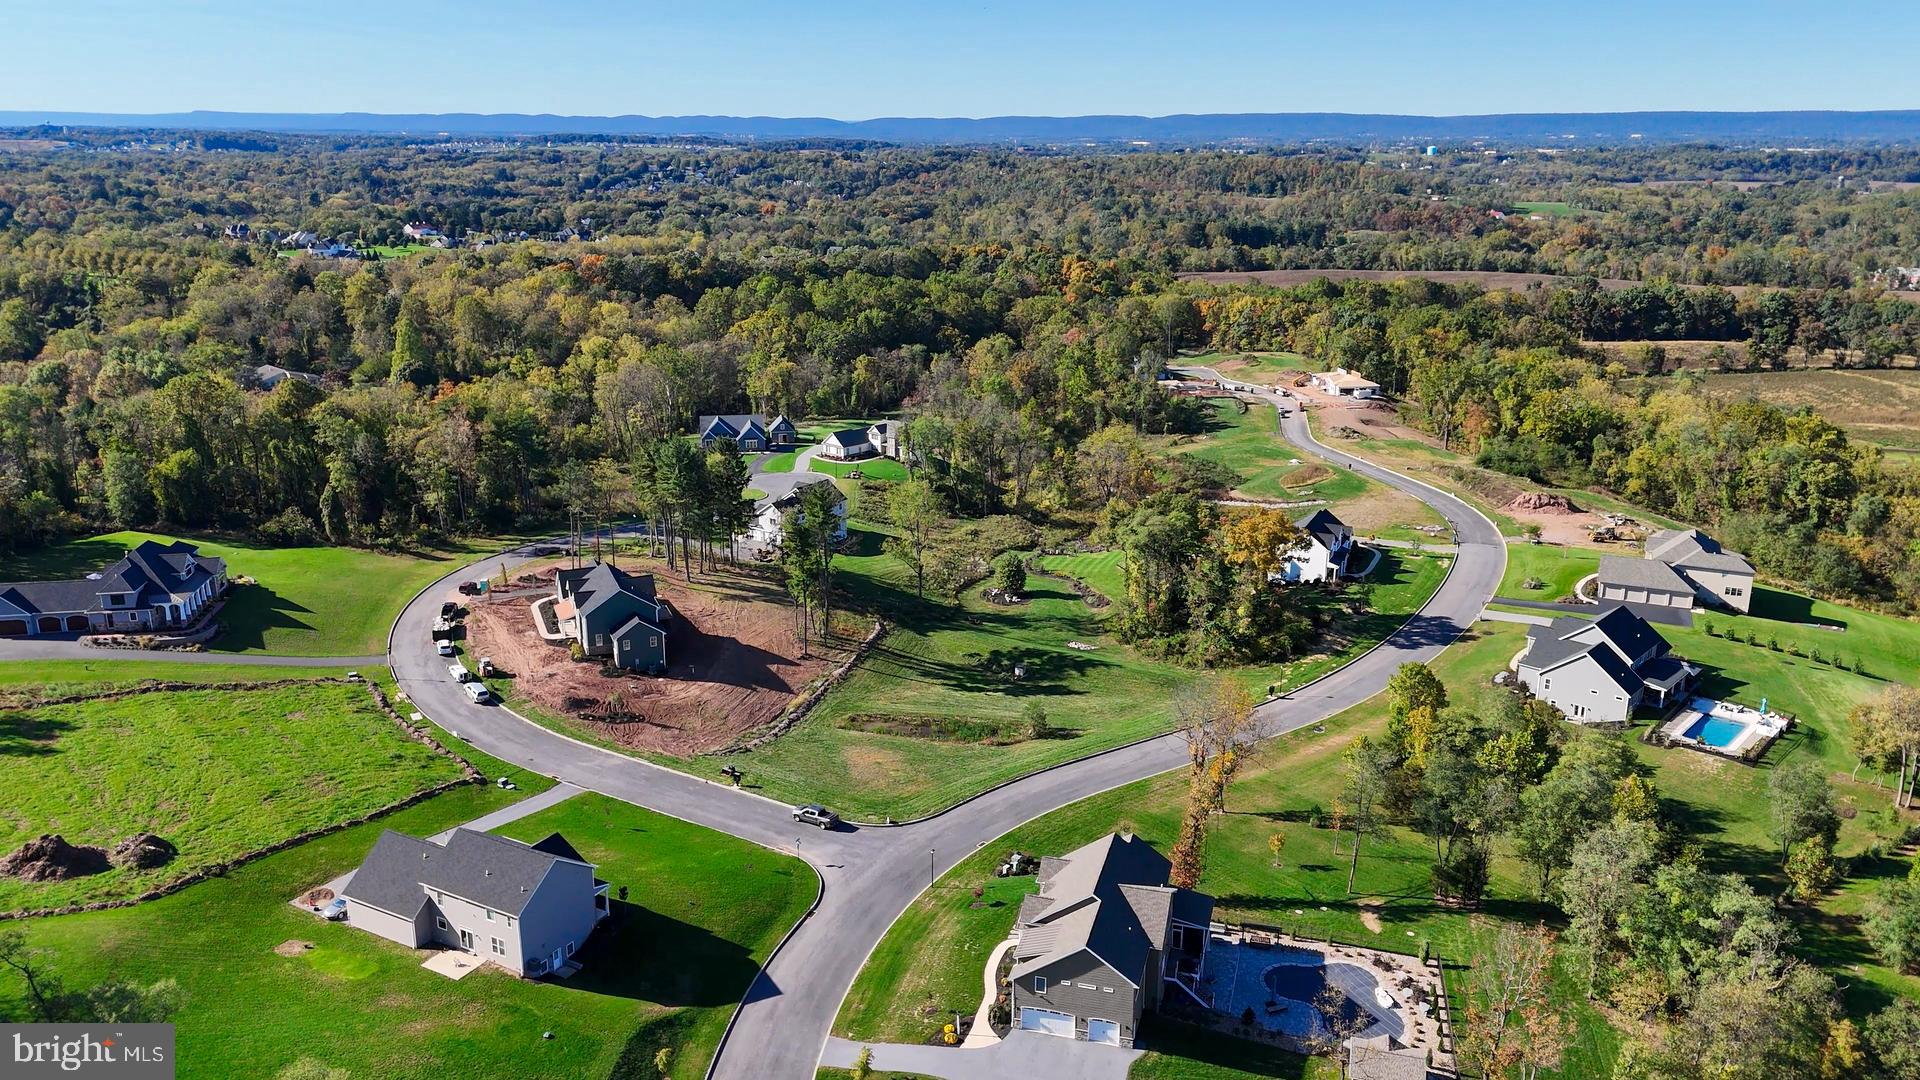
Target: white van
(477,691)
(459,672)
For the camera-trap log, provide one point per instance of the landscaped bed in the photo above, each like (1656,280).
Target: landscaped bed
(215,773)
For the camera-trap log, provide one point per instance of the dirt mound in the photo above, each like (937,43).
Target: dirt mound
(293,947)
(734,662)
(142,851)
(50,858)
(1543,502)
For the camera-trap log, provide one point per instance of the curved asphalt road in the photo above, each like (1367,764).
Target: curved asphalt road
(869,875)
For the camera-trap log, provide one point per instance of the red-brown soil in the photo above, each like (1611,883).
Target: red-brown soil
(734,662)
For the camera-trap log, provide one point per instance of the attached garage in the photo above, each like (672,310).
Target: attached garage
(1047,1022)
(1103,1031)
(49,624)
(13,627)
(76,622)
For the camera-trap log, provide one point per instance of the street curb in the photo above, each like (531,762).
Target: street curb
(727,1032)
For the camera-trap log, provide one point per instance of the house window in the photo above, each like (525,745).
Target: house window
(498,948)
(1733,590)
(599,640)
(569,948)
(653,641)
(489,914)
(509,922)
(439,922)
(1039,984)
(1546,684)
(1106,989)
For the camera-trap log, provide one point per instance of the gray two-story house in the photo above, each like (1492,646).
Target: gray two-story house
(526,907)
(1103,940)
(1599,670)
(615,615)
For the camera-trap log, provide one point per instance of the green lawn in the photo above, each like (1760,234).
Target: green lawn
(310,601)
(871,469)
(951,661)
(216,772)
(1264,368)
(1098,570)
(706,911)
(781,462)
(1558,567)
(54,678)
(1269,467)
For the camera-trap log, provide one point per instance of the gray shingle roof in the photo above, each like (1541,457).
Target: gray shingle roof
(1691,547)
(1633,635)
(1323,526)
(847,437)
(1641,574)
(152,571)
(604,581)
(1109,898)
(489,870)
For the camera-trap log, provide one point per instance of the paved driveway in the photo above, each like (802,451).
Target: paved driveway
(870,874)
(69,649)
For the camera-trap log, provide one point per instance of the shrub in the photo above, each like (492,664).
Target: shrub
(1010,573)
(288,528)
(863,1064)
(1033,716)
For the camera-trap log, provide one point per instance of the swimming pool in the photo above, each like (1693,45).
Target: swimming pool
(1716,731)
(1305,983)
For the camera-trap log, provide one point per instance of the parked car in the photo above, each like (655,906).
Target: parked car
(335,911)
(448,610)
(478,692)
(815,814)
(459,672)
(469,588)
(444,648)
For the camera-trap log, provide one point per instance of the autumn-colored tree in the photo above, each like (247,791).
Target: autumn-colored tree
(1512,1024)
(1886,734)
(1260,542)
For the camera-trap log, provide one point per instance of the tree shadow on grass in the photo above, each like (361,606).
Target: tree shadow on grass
(27,734)
(1218,1049)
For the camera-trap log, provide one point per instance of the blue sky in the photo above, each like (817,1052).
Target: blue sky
(854,60)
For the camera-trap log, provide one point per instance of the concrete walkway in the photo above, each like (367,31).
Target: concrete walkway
(532,804)
(981,1033)
(1022,1055)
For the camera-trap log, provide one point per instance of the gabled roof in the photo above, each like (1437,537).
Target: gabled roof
(1109,898)
(152,571)
(786,494)
(488,870)
(1641,574)
(780,423)
(731,425)
(1324,527)
(1617,633)
(604,581)
(1691,547)
(846,437)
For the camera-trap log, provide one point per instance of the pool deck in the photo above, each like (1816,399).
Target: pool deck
(1236,969)
(1758,729)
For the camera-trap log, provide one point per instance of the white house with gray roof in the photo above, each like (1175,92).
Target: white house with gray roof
(1323,557)
(153,586)
(1103,940)
(1599,670)
(525,907)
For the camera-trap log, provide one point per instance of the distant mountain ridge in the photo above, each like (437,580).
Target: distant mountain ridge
(1888,126)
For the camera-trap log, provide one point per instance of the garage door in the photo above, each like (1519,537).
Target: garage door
(1103,1031)
(1047,1021)
(12,627)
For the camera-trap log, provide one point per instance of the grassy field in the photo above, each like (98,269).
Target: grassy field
(1098,570)
(1178,1051)
(667,972)
(215,772)
(953,662)
(1557,567)
(1269,467)
(1264,368)
(1881,407)
(55,678)
(311,601)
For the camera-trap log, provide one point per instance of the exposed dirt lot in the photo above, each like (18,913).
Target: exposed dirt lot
(733,652)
